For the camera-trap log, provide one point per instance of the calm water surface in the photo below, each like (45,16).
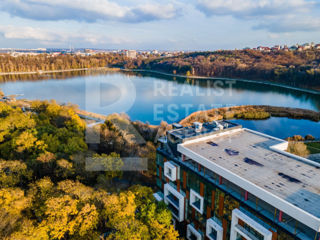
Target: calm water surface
(282,127)
(154,98)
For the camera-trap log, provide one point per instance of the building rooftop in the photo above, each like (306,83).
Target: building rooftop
(183,133)
(258,164)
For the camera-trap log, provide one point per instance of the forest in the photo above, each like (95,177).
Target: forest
(294,68)
(46,191)
(44,62)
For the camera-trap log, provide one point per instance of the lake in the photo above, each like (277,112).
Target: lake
(282,127)
(153,98)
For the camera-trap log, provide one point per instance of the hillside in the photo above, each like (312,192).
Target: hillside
(294,68)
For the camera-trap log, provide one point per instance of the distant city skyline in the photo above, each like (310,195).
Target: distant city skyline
(163,24)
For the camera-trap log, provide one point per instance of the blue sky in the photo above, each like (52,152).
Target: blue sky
(158,24)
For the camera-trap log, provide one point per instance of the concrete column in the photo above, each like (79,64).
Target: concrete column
(233,232)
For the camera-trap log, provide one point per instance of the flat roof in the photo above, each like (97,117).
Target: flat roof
(245,158)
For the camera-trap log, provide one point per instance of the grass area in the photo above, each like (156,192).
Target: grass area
(313,147)
(256,115)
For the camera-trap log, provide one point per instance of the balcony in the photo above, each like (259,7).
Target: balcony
(193,234)
(214,229)
(196,201)
(175,201)
(173,210)
(171,171)
(250,229)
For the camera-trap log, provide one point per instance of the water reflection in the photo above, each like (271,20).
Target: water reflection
(178,96)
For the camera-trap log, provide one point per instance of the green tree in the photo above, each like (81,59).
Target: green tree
(14,173)
(39,192)
(64,169)
(111,164)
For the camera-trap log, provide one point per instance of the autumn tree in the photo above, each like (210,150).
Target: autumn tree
(14,173)
(298,148)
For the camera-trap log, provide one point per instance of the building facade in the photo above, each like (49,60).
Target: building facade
(222,181)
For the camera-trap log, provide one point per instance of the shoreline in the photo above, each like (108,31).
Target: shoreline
(224,113)
(230,113)
(222,78)
(58,71)
(39,72)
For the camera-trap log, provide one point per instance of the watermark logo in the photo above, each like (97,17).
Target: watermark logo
(117,95)
(109,96)
(97,96)
(204,89)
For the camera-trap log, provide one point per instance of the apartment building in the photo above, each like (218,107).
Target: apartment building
(222,181)
(131,53)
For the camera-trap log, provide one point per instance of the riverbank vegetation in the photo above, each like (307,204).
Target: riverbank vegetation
(252,112)
(44,62)
(47,192)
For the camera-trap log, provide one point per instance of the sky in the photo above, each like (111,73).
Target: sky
(158,24)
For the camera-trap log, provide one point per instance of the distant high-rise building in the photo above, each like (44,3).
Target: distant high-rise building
(131,53)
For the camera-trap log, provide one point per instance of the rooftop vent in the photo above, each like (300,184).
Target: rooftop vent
(218,126)
(289,178)
(213,144)
(197,126)
(177,126)
(231,152)
(214,123)
(252,162)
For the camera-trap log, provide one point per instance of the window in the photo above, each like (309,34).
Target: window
(175,202)
(248,228)
(213,234)
(214,230)
(159,159)
(192,233)
(171,171)
(196,201)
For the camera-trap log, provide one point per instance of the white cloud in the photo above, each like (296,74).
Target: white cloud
(254,8)
(89,10)
(275,16)
(291,24)
(12,32)
(56,37)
